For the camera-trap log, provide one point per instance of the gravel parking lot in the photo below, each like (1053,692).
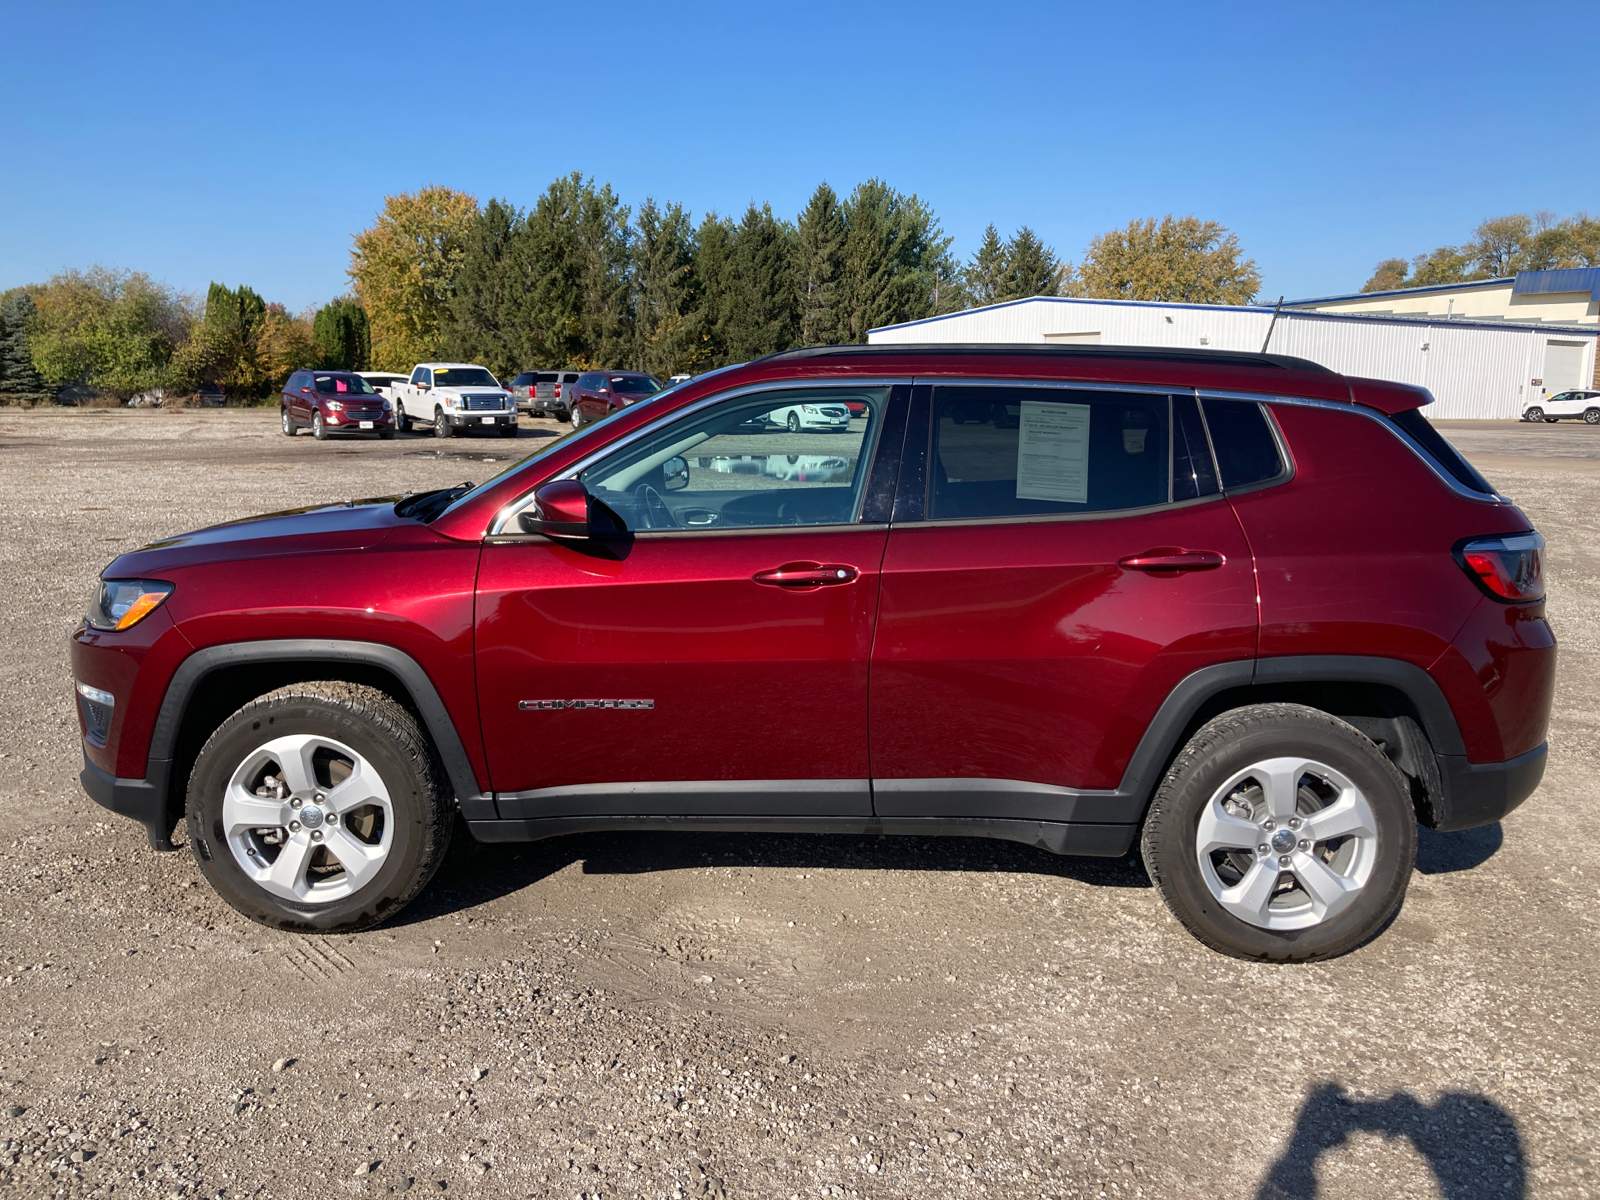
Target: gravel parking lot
(670,1015)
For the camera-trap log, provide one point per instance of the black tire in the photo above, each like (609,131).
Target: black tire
(289,427)
(508,431)
(1591,416)
(385,435)
(1551,420)
(401,421)
(441,424)
(1534,414)
(1233,742)
(319,430)
(794,422)
(388,737)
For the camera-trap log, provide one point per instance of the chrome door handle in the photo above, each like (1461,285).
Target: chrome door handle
(807,575)
(1173,560)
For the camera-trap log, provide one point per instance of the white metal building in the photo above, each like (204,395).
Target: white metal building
(1473,369)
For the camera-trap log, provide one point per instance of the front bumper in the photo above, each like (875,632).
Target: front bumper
(475,420)
(1482,793)
(144,800)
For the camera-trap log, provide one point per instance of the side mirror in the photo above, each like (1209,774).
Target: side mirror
(307,391)
(560,510)
(674,474)
(422,387)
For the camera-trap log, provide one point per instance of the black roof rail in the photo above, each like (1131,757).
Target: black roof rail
(1239,358)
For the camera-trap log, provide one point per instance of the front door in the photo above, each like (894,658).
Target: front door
(1068,559)
(714,660)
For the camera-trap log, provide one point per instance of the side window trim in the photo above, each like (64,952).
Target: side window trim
(913,503)
(503,527)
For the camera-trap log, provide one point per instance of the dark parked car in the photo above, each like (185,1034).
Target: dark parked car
(595,395)
(1251,618)
(329,402)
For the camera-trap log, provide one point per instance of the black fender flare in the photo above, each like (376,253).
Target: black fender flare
(476,804)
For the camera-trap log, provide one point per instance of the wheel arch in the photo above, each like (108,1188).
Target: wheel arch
(1396,704)
(215,682)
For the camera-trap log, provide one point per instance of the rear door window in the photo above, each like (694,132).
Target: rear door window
(1247,452)
(1013,452)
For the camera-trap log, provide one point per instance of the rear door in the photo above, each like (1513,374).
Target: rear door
(714,660)
(1061,557)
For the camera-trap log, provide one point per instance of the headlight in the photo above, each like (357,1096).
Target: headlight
(806,408)
(123,603)
(385,406)
(335,405)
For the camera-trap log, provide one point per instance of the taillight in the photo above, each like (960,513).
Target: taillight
(1507,568)
(558,391)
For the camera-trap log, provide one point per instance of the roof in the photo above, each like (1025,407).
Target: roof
(1569,279)
(1501,281)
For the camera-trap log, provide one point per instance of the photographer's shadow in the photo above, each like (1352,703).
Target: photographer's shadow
(1470,1142)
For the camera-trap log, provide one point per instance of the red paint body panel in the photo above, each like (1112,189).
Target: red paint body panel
(1023,651)
(749,681)
(1499,674)
(1388,397)
(134,666)
(1354,552)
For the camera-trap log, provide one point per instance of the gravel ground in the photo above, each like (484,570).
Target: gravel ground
(716,1015)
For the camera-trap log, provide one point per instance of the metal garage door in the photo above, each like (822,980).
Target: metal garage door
(1563,366)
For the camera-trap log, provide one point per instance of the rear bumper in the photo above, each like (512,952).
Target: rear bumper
(143,800)
(1482,793)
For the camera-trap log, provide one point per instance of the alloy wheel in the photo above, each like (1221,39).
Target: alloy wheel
(1286,843)
(308,819)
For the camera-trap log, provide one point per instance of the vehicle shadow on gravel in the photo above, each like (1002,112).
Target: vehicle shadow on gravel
(1470,1142)
(475,873)
(1442,853)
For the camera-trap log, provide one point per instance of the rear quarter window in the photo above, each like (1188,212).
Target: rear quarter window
(1246,450)
(1417,427)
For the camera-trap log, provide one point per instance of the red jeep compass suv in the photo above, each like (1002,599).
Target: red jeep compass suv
(1253,618)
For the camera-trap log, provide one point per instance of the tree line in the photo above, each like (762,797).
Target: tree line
(580,279)
(1500,246)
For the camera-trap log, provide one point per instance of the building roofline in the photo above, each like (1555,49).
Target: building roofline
(1240,358)
(1411,291)
(1264,310)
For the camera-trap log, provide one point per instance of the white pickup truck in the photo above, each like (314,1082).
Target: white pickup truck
(454,398)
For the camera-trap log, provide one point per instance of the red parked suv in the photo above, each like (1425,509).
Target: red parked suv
(329,402)
(595,395)
(1253,618)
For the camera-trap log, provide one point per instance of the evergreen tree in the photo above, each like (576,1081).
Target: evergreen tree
(896,260)
(1031,268)
(986,273)
(667,322)
(576,263)
(20,381)
(760,315)
(818,260)
(486,321)
(713,272)
(341,336)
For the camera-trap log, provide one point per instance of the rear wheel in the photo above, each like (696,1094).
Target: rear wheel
(1591,416)
(289,428)
(401,421)
(576,418)
(441,424)
(1281,833)
(320,807)
(1534,414)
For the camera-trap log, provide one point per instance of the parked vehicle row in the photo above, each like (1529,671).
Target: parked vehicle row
(1576,405)
(1251,618)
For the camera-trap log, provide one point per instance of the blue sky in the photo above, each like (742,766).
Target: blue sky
(247,142)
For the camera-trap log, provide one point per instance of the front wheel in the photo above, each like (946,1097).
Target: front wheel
(318,807)
(508,431)
(289,429)
(794,422)
(1534,414)
(441,424)
(318,429)
(1281,833)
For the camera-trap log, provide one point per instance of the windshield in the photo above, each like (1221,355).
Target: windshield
(335,385)
(463,377)
(635,385)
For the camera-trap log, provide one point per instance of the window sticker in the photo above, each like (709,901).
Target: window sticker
(1053,452)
